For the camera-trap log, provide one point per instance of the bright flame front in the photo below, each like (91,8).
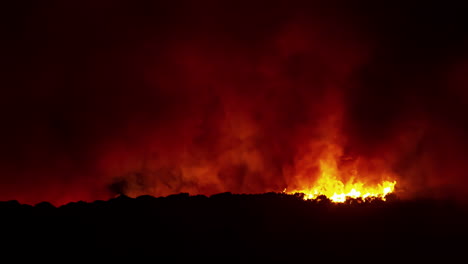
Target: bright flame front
(329,184)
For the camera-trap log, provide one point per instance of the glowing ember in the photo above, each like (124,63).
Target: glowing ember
(337,190)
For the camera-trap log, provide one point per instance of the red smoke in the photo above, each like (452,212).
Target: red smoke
(146,98)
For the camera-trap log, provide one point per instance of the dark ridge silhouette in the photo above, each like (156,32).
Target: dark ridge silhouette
(273,226)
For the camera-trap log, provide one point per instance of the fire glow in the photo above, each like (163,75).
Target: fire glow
(330,184)
(338,192)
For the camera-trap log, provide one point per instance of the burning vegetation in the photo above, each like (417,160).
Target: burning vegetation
(338,183)
(338,191)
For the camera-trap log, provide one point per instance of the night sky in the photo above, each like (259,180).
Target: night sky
(103,97)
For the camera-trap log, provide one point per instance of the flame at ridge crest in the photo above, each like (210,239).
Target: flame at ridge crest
(330,183)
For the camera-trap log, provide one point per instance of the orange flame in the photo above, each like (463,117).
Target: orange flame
(331,183)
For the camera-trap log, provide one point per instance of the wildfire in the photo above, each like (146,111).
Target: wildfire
(330,184)
(338,192)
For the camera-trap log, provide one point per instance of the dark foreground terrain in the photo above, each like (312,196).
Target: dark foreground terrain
(270,226)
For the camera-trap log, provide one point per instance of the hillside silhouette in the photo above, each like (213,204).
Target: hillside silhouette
(272,226)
